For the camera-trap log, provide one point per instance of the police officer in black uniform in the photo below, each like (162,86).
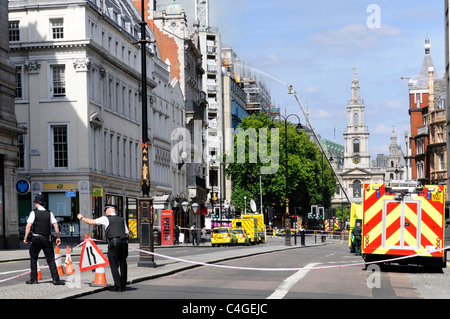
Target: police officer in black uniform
(38,229)
(117,236)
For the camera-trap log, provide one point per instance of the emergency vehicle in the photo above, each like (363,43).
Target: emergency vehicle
(223,236)
(356,215)
(261,226)
(253,225)
(404,219)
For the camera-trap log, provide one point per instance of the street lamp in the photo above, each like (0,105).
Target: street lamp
(287,221)
(194,208)
(145,202)
(185,206)
(245,207)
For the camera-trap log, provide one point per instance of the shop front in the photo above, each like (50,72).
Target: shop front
(62,200)
(126,207)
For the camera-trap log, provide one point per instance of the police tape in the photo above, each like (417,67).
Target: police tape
(286,269)
(251,268)
(40,267)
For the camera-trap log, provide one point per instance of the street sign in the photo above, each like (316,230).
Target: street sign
(23,187)
(91,256)
(71,193)
(97,192)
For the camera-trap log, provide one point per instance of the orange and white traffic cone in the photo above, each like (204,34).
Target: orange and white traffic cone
(68,264)
(58,261)
(100,277)
(39,271)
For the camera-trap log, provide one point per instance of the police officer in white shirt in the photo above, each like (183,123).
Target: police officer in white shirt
(117,236)
(38,229)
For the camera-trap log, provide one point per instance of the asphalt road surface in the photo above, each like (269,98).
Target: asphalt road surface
(331,272)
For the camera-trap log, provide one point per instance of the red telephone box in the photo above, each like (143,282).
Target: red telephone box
(166,227)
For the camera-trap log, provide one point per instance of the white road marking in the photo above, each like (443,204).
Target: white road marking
(289,282)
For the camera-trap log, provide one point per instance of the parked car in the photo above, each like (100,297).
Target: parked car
(223,236)
(242,236)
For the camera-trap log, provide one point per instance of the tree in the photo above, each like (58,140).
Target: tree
(304,169)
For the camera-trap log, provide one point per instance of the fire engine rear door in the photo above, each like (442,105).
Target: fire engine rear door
(401,223)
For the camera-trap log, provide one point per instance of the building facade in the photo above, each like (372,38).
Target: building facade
(181,49)
(210,43)
(356,169)
(394,163)
(78,94)
(234,106)
(10,130)
(427,153)
(447,76)
(437,147)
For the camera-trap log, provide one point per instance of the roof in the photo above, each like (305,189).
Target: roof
(423,79)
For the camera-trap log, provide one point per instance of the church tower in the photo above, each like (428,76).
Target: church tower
(356,134)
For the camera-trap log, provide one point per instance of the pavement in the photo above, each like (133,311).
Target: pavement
(80,283)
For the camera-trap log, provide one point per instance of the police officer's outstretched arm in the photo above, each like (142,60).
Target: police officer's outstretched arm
(88,221)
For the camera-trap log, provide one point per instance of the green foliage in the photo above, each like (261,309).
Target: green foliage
(304,170)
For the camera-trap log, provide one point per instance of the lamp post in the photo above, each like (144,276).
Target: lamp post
(245,208)
(145,202)
(287,221)
(195,207)
(184,206)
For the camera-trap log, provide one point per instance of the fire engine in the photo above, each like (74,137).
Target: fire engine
(403,219)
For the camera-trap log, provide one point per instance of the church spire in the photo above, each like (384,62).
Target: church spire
(427,46)
(356,98)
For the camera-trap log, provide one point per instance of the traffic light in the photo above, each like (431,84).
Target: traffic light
(314,211)
(270,213)
(216,213)
(321,210)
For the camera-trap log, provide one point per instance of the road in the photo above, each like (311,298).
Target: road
(19,267)
(315,281)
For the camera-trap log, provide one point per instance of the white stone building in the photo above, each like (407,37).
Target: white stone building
(356,169)
(78,94)
(9,132)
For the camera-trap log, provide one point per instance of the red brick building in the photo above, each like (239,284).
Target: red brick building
(419,112)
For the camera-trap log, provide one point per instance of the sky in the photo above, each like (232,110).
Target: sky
(315,46)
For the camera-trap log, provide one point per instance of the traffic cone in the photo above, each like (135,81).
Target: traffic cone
(39,271)
(100,277)
(58,261)
(68,263)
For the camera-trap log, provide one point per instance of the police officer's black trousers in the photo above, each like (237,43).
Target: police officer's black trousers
(38,244)
(117,255)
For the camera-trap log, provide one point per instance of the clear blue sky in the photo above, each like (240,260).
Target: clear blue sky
(315,45)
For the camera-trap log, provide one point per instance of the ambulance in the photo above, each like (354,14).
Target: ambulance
(404,222)
(253,225)
(356,215)
(260,225)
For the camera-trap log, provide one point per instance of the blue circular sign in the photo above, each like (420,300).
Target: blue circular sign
(23,187)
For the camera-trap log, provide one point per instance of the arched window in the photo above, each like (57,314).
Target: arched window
(355,118)
(356,146)
(356,189)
